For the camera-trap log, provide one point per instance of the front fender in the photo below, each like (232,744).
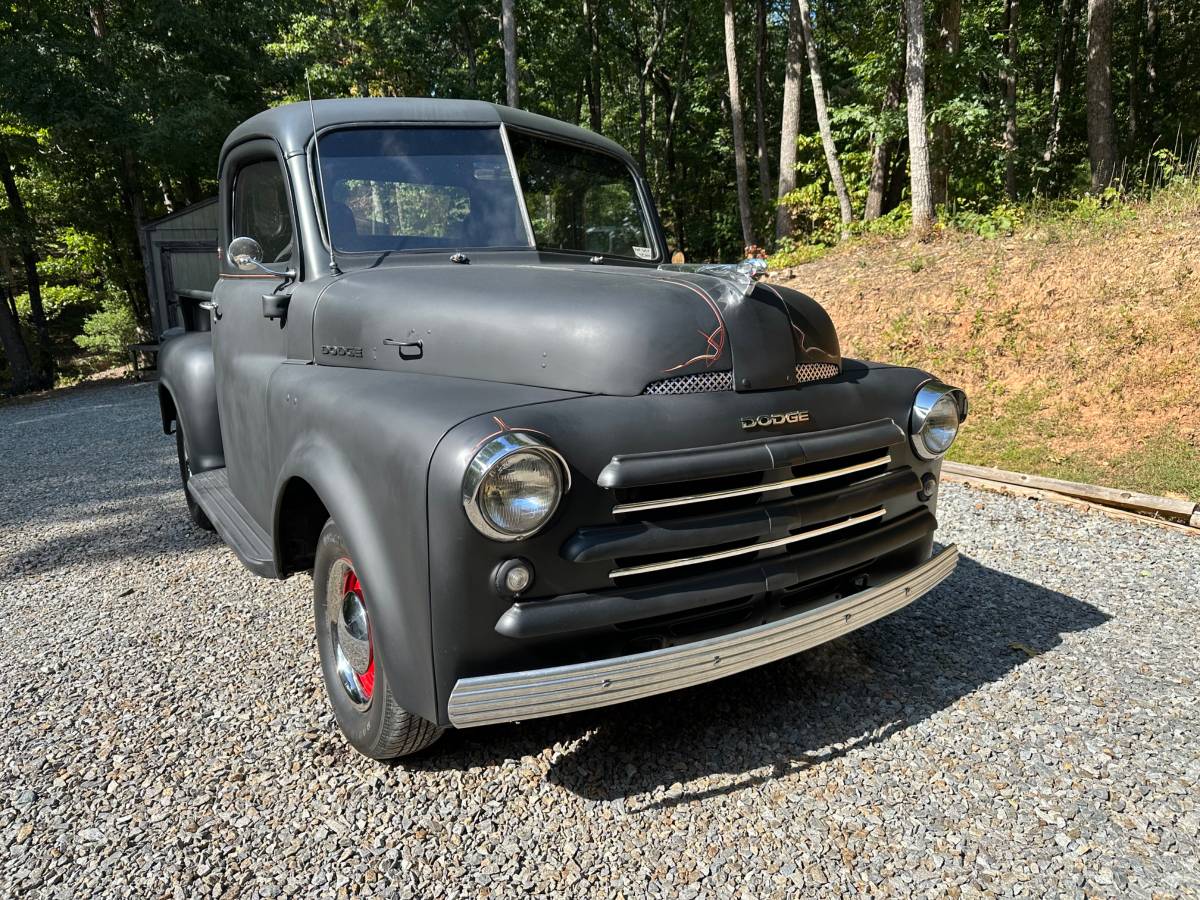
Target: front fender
(363,441)
(188,392)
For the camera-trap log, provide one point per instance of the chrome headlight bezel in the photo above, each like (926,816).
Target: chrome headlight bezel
(483,463)
(929,395)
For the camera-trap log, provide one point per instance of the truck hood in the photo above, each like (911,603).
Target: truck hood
(592,329)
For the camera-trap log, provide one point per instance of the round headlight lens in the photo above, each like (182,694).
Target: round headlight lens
(520,492)
(513,486)
(935,420)
(941,425)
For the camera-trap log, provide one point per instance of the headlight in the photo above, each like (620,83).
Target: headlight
(936,415)
(513,486)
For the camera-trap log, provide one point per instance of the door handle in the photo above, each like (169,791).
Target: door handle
(212,306)
(275,306)
(408,349)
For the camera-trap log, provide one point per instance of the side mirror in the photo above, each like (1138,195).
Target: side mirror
(678,258)
(245,253)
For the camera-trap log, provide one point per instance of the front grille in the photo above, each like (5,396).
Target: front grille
(806,492)
(698,383)
(806,372)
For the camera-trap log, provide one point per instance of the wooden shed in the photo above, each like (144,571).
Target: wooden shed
(181,250)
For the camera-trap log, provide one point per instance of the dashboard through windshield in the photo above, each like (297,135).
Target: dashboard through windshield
(399,188)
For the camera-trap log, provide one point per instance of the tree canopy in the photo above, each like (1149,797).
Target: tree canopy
(112,113)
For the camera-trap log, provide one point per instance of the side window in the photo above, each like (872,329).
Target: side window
(260,210)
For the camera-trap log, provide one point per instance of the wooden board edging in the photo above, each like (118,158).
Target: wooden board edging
(1183,515)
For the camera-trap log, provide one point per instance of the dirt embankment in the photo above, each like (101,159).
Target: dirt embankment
(1079,344)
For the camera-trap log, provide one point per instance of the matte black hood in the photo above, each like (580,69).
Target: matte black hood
(592,329)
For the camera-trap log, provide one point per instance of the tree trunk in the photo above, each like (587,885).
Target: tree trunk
(882,145)
(1062,56)
(1136,42)
(819,101)
(760,102)
(789,128)
(33,283)
(129,180)
(918,142)
(1102,148)
(949,34)
(595,117)
(1010,103)
(470,53)
(164,185)
(1144,72)
(135,201)
(671,97)
(20,367)
(739,135)
(1150,63)
(192,189)
(645,63)
(508,25)
(897,177)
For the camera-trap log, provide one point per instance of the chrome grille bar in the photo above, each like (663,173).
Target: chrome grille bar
(668,502)
(753,548)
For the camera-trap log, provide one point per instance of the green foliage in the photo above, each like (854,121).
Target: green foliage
(790,253)
(815,213)
(109,330)
(97,124)
(999,221)
(894,223)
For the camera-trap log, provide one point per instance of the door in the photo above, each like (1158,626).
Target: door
(247,346)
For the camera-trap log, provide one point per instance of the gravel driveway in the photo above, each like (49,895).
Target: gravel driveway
(1030,727)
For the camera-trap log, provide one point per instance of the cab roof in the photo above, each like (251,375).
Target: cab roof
(291,124)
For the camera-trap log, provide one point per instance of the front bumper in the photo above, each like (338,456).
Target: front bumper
(514,696)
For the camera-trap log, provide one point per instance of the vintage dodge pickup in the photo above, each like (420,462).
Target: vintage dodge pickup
(532,466)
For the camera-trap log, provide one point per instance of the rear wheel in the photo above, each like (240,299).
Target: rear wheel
(363,703)
(185,472)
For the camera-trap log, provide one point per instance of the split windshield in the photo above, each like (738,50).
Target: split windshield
(427,188)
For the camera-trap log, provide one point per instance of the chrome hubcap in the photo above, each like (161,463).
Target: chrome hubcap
(355,636)
(350,634)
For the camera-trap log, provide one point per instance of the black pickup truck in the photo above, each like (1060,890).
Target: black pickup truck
(532,466)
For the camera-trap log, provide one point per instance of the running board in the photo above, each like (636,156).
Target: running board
(235,525)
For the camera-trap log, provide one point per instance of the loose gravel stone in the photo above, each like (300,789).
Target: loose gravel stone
(1031,727)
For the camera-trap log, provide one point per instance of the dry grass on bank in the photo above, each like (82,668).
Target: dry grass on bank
(1078,339)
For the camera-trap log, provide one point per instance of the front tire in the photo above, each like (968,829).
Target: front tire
(355,681)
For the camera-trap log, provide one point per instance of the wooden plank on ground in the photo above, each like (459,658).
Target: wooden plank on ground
(1184,511)
(1145,508)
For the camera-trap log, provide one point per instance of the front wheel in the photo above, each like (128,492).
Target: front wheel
(366,711)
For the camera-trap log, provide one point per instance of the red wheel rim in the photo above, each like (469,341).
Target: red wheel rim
(366,680)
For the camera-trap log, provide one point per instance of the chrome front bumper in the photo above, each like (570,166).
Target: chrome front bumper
(512,696)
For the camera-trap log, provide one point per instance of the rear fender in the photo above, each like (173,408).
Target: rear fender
(187,393)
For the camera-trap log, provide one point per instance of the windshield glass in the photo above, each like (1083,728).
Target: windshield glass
(580,199)
(419,189)
(425,188)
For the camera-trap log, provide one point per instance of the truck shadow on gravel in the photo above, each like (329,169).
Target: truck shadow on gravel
(799,713)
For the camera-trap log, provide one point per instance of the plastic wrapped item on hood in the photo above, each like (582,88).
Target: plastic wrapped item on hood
(740,276)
